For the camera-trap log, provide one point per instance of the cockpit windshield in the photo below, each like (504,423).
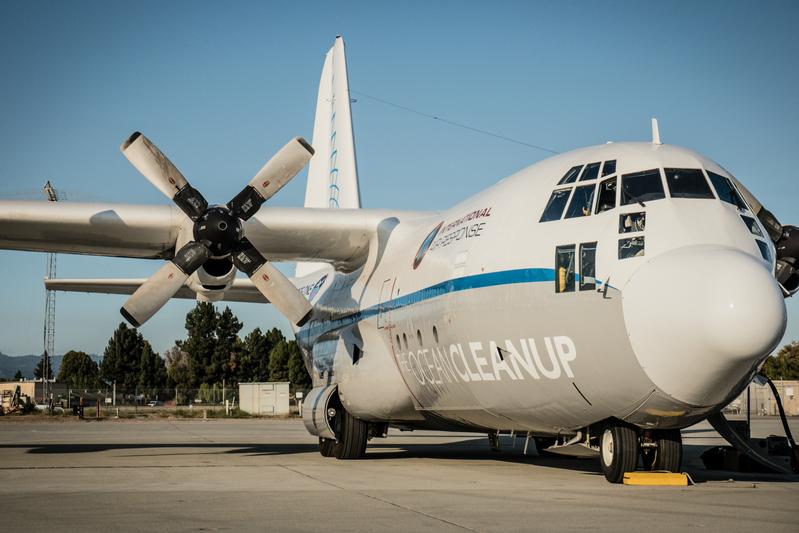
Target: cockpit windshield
(687,183)
(725,190)
(641,187)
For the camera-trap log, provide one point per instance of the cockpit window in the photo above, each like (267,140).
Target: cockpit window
(609,168)
(582,201)
(571,175)
(687,183)
(726,191)
(554,208)
(591,172)
(606,198)
(641,187)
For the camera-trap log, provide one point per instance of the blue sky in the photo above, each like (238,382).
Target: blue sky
(220,86)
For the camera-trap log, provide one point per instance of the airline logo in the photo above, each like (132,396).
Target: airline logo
(548,358)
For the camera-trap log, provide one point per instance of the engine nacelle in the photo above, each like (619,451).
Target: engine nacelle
(216,274)
(787,247)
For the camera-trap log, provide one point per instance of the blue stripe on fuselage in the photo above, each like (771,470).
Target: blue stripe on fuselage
(476,281)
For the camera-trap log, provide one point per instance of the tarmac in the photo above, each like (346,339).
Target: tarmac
(267,475)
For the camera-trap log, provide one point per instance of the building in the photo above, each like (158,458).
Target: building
(762,402)
(268,398)
(34,389)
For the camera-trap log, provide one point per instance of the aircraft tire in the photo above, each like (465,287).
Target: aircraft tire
(352,437)
(618,451)
(669,451)
(326,447)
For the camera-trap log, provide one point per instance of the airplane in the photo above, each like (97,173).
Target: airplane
(597,301)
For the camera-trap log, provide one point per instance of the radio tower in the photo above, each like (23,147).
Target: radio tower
(49,313)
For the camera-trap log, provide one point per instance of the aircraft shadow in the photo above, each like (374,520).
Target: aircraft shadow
(468,449)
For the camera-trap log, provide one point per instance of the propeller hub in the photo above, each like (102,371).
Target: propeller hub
(219,229)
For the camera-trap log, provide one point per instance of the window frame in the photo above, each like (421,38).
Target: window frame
(569,192)
(604,174)
(570,286)
(565,214)
(743,205)
(573,173)
(592,285)
(595,164)
(615,195)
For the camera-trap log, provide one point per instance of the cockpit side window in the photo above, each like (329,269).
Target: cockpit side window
(641,187)
(687,183)
(591,172)
(725,190)
(606,198)
(609,168)
(582,201)
(571,175)
(554,208)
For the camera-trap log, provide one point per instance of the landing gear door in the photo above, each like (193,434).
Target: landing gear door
(383,312)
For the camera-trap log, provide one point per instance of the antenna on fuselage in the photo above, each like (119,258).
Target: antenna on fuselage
(655,132)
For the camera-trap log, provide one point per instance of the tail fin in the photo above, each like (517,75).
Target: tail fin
(333,172)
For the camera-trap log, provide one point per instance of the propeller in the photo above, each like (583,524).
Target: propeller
(218,231)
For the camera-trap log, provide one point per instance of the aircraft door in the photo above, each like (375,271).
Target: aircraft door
(383,310)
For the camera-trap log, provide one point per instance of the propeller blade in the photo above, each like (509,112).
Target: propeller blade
(278,171)
(273,284)
(156,291)
(160,171)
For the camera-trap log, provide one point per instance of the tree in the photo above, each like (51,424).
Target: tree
(18,376)
(122,357)
(177,367)
(38,372)
(79,371)
(298,374)
(785,365)
(254,363)
(228,346)
(200,343)
(278,362)
(152,371)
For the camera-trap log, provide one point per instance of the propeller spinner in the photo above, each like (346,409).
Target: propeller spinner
(218,230)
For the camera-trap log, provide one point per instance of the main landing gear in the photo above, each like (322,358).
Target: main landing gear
(621,444)
(352,436)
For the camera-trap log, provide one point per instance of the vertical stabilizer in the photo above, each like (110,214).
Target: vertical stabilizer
(333,172)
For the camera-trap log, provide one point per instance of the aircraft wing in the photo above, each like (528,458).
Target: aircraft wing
(341,237)
(241,290)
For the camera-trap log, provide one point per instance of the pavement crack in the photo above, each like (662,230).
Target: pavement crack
(383,500)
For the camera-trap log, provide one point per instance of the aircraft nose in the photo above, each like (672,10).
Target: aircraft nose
(699,319)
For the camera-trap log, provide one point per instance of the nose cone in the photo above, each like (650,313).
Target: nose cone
(699,319)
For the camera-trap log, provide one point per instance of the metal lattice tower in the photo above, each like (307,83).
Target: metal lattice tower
(49,311)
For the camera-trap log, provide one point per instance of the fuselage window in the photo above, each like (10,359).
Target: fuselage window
(606,198)
(725,190)
(751,223)
(582,201)
(571,175)
(641,187)
(591,172)
(435,334)
(587,266)
(632,247)
(564,269)
(609,168)
(554,208)
(405,340)
(419,337)
(632,222)
(687,183)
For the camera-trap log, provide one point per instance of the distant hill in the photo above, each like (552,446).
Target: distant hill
(9,364)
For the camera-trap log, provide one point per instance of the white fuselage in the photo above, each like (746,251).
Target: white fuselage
(484,316)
